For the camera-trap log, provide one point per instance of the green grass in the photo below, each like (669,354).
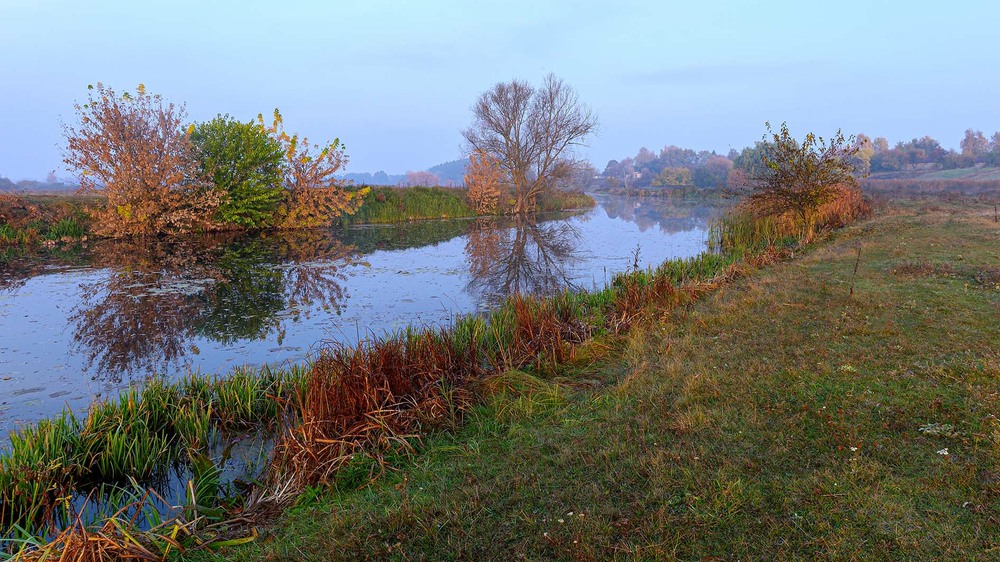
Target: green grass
(135,436)
(775,419)
(390,205)
(371,402)
(387,205)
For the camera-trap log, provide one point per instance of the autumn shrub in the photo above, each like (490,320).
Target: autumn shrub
(796,179)
(484,180)
(313,195)
(246,165)
(160,177)
(134,150)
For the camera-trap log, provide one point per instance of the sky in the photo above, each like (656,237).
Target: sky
(395,81)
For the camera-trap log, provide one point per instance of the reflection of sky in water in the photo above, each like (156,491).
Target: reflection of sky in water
(215,319)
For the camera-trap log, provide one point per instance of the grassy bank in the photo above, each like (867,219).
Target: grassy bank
(778,418)
(49,219)
(43,219)
(389,205)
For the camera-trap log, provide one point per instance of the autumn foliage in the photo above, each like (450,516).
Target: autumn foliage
(798,179)
(313,195)
(134,149)
(484,179)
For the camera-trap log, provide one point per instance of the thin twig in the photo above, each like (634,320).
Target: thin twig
(854,276)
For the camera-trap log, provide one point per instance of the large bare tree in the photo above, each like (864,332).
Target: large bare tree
(531,132)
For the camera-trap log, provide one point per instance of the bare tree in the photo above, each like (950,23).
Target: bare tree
(531,133)
(424,179)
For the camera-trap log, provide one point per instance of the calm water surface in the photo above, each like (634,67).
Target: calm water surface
(81,323)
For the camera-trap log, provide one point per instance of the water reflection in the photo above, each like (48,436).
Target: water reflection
(158,298)
(18,263)
(78,320)
(522,255)
(669,214)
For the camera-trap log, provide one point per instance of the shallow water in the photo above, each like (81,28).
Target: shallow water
(83,323)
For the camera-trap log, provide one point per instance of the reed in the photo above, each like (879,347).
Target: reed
(386,205)
(137,434)
(38,469)
(64,228)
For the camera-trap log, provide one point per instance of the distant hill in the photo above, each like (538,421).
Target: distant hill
(32,186)
(448,173)
(454,171)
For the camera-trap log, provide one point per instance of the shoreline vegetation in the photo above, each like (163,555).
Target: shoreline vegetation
(350,414)
(66,219)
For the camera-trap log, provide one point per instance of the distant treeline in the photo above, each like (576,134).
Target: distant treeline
(909,162)
(927,154)
(672,167)
(50,185)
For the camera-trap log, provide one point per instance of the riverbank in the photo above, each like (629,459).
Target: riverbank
(390,205)
(780,417)
(60,219)
(251,279)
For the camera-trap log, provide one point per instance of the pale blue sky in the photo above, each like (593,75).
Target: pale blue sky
(395,80)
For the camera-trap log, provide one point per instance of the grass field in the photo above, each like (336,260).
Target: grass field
(971,174)
(391,205)
(778,418)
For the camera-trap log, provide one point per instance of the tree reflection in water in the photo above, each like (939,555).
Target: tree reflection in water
(160,296)
(520,256)
(669,214)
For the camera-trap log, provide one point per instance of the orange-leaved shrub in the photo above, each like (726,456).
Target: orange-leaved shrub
(135,150)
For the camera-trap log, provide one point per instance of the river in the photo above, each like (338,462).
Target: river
(83,322)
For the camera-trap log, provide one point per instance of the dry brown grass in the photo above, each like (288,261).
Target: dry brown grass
(17,211)
(372,398)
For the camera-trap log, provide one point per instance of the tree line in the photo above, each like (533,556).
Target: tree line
(673,166)
(683,167)
(161,174)
(927,153)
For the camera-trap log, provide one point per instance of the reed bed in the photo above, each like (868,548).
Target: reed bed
(136,435)
(379,396)
(390,205)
